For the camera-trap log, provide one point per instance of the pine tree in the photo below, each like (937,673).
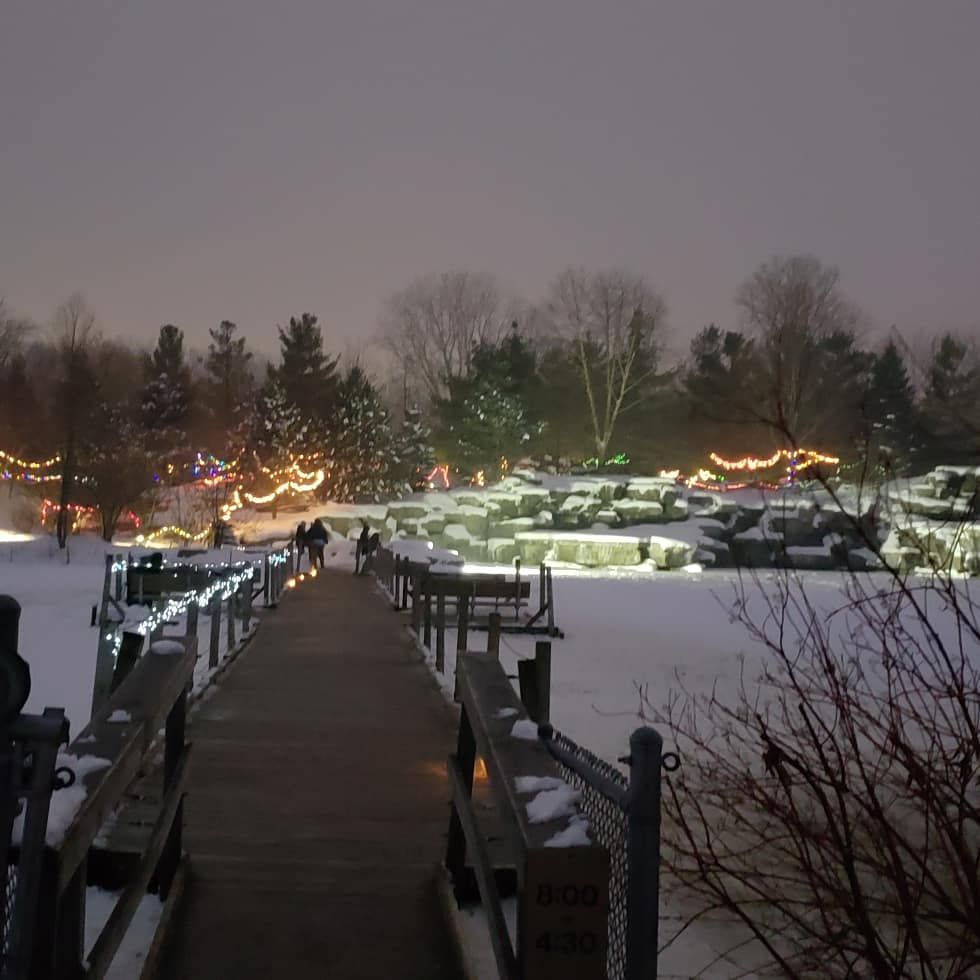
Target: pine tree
(414,450)
(951,405)
(229,379)
(277,435)
(306,373)
(363,464)
(890,413)
(487,417)
(166,400)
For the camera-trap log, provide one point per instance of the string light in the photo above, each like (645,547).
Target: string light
(26,464)
(442,472)
(803,458)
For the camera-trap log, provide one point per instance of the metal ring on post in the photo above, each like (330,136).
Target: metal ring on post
(670,761)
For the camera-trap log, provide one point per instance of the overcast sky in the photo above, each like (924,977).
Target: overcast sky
(195,160)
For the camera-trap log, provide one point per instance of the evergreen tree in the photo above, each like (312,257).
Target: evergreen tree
(414,450)
(306,373)
(364,464)
(114,464)
(166,400)
(488,416)
(229,379)
(890,413)
(276,436)
(951,405)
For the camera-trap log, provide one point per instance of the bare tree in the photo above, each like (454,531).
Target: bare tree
(612,321)
(434,325)
(795,309)
(75,333)
(832,805)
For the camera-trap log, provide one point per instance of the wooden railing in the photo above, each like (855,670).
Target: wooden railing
(563,888)
(125,735)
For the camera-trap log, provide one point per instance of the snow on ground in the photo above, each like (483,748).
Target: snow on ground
(128,962)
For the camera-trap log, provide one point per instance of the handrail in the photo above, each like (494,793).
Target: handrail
(562,873)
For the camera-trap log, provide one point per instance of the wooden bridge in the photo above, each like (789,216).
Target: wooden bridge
(319,816)
(317,804)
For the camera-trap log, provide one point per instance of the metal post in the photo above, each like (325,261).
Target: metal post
(357,557)
(427,612)
(517,588)
(173,750)
(643,850)
(462,618)
(406,569)
(266,567)
(119,578)
(493,636)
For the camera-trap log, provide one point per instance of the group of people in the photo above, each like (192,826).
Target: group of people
(312,540)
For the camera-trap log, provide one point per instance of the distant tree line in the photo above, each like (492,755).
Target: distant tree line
(482,381)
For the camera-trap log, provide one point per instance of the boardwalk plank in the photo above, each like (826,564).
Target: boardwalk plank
(318,804)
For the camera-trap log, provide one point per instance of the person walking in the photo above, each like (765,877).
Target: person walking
(316,539)
(300,540)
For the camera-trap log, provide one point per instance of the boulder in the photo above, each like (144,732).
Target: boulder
(631,511)
(577,510)
(525,475)
(507,529)
(604,490)
(667,553)
(650,488)
(501,506)
(343,517)
(433,524)
(608,517)
(503,550)
(402,510)
(469,497)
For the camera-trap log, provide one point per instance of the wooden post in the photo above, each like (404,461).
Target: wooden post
(441,626)
(416,600)
(215,642)
(427,612)
(551,602)
(528,682)
(456,843)
(493,636)
(462,626)
(173,751)
(59,940)
(190,628)
(542,672)
(232,633)
(246,605)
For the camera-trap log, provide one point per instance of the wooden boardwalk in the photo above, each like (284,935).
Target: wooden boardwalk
(317,808)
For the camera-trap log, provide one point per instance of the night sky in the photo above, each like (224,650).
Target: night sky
(194,160)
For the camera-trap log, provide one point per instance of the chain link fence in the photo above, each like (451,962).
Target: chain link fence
(603,794)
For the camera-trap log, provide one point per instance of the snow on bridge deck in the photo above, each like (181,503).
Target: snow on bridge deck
(317,807)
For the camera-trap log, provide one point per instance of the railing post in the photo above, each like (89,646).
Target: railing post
(246,605)
(534,678)
(105,662)
(456,843)
(406,568)
(643,855)
(427,611)
(173,751)
(266,568)
(441,626)
(493,636)
(119,578)
(232,637)
(462,627)
(215,641)
(193,611)
(551,601)
(416,600)
(357,557)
